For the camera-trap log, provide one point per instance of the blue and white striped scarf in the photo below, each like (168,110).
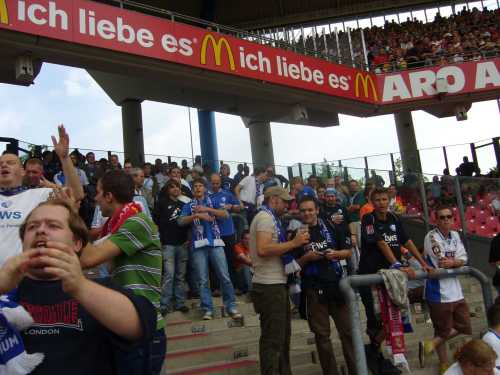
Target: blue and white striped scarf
(13,357)
(205,233)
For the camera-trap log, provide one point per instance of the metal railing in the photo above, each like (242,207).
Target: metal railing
(348,284)
(351,51)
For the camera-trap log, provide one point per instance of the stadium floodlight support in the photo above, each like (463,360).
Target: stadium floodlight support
(339,54)
(350,47)
(348,284)
(363,44)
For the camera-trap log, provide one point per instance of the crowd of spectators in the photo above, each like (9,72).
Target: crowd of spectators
(467,35)
(164,232)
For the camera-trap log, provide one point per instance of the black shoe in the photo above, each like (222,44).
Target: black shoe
(183,309)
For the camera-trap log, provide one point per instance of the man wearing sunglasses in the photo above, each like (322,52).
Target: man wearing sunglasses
(449,312)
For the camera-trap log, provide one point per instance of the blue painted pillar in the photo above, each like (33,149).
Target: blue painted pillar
(208,139)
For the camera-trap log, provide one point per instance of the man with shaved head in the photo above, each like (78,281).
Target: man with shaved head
(225,200)
(17,201)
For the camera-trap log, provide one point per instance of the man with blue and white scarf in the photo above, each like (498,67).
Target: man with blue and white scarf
(321,272)
(207,245)
(269,292)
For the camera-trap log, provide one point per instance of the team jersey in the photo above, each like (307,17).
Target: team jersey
(375,230)
(13,212)
(493,339)
(444,290)
(220,200)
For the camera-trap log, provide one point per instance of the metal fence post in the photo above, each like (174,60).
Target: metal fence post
(348,284)
(290,173)
(423,196)
(446,158)
(300,170)
(313,167)
(350,47)
(339,53)
(367,173)
(365,53)
(393,166)
(460,204)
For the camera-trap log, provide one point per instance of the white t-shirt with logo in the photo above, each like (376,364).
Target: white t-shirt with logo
(13,212)
(444,290)
(493,340)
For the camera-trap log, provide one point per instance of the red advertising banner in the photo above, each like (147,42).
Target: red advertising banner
(98,25)
(472,76)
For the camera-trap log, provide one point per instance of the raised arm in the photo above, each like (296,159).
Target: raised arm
(61,148)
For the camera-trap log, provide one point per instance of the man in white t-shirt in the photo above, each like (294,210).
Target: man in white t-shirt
(250,192)
(269,290)
(16,201)
(449,312)
(492,337)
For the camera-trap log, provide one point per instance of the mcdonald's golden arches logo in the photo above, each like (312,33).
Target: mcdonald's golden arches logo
(217,48)
(366,81)
(4,14)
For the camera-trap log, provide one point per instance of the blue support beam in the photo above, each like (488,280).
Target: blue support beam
(208,139)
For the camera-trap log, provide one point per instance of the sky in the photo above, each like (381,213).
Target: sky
(70,96)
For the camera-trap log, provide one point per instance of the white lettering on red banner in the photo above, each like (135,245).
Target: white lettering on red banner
(103,26)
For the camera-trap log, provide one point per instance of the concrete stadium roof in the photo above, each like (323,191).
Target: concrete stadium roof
(258,14)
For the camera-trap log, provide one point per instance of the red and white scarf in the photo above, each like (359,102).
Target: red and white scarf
(114,223)
(390,315)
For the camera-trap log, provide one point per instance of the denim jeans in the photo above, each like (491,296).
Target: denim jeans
(217,259)
(175,262)
(146,359)
(244,277)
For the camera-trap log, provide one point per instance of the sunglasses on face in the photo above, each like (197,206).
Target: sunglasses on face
(445,217)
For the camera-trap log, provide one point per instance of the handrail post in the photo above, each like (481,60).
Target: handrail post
(348,284)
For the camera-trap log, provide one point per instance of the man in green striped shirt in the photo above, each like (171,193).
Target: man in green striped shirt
(130,241)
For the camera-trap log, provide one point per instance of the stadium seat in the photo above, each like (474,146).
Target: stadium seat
(471,226)
(482,216)
(483,231)
(470,212)
(492,223)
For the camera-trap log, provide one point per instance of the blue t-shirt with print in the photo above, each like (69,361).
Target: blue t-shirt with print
(219,200)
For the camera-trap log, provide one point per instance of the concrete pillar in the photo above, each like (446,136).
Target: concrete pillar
(261,142)
(133,138)
(407,142)
(208,139)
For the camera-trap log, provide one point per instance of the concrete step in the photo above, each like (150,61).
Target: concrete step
(222,337)
(186,326)
(307,369)
(247,366)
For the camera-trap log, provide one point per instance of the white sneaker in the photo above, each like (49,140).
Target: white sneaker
(208,316)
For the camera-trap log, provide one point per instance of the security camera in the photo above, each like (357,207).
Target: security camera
(25,72)
(299,113)
(461,113)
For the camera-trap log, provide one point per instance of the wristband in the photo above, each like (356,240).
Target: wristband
(395,266)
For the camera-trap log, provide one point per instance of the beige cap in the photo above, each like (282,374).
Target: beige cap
(276,191)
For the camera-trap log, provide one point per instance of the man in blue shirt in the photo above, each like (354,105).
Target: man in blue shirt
(225,200)
(207,245)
